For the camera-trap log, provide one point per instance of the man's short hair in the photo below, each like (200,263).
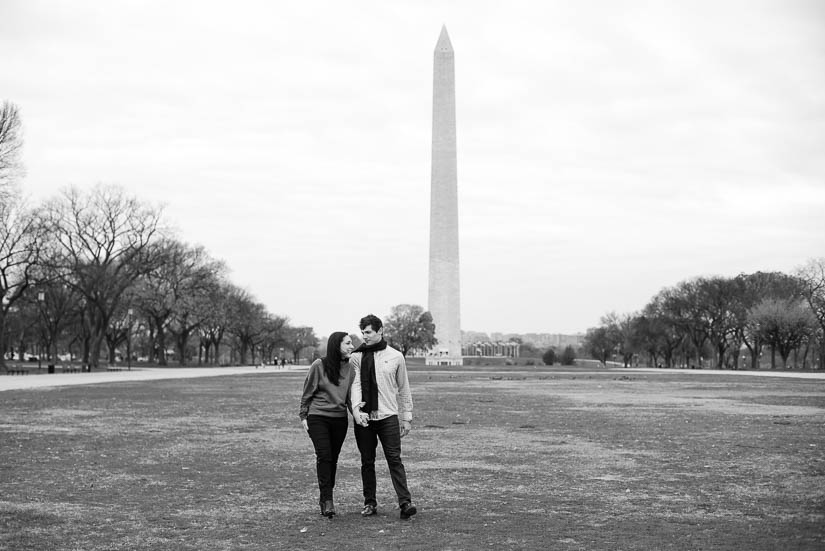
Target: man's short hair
(373,320)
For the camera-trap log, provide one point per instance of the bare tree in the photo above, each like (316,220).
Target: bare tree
(784,324)
(195,305)
(247,319)
(752,289)
(11,145)
(176,294)
(662,332)
(101,240)
(274,336)
(298,338)
(600,342)
(214,327)
(622,331)
(812,275)
(21,238)
(59,308)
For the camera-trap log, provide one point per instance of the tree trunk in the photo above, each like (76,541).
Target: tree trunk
(110,345)
(21,349)
(97,345)
(153,344)
(182,338)
(822,353)
(160,341)
(720,356)
(3,340)
(216,344)
(87,350)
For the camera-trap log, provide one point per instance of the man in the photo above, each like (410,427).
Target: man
(383,412)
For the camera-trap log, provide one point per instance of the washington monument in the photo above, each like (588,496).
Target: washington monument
(444,298)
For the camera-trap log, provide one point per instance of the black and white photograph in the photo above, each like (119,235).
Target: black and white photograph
(412,275)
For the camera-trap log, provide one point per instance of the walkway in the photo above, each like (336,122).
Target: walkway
(743,372)
(18,382)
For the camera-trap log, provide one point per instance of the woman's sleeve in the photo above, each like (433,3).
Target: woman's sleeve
(310,386)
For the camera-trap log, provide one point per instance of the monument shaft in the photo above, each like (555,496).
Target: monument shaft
(444,290)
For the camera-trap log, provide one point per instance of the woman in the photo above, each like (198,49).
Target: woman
(324,406)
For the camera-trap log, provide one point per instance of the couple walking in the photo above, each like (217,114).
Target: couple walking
(372,382)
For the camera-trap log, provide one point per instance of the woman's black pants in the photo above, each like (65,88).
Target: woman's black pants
(327,434)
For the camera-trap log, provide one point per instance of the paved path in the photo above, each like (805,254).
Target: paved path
(743,372)
(17,382)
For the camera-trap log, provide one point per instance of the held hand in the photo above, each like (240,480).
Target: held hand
(406,427)
(359,416)
(305,424)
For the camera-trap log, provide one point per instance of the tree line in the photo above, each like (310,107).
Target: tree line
(721,320)
(89,272)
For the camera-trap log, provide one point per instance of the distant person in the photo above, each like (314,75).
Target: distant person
(324,405)
(381,385)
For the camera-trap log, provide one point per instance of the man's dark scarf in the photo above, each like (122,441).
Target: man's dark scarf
(369,384)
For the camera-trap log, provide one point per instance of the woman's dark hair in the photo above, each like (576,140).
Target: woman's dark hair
(332,361)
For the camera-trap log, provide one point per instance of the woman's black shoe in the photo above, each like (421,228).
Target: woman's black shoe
(328,509)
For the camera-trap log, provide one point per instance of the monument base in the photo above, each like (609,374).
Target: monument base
(443,360)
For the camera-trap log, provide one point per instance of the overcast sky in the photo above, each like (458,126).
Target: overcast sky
(605,149)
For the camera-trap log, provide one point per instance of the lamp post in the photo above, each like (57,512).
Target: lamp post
(129,339)
(41,299)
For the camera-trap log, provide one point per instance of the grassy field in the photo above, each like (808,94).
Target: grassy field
(541,458)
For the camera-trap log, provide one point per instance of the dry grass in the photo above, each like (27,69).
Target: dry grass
(539,459)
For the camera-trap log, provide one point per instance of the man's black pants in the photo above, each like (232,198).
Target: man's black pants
(388,432)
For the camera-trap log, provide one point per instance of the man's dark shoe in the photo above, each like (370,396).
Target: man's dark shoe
(328,510)
(369,510)
(408,510)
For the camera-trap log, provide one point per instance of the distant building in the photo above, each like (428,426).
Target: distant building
(539,340)
(492,349)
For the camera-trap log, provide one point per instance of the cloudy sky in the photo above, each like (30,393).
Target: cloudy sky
(606,149)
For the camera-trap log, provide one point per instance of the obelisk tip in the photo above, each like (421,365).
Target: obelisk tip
(443,44)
